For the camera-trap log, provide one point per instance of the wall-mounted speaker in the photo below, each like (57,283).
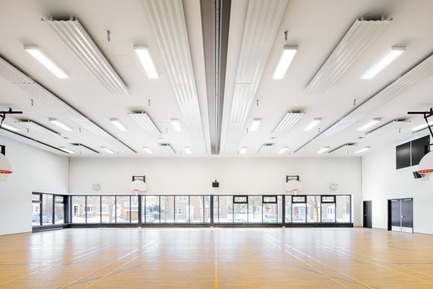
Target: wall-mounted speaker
(215,184)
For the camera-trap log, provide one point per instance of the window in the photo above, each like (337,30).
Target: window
(269,199)
(36,209)
(152,209)
(178,211)
(47,209)
(89,209)
(240,199)
(78,209)
(255,206)
(104,209)
(183,199)
(181,205)
(108,214)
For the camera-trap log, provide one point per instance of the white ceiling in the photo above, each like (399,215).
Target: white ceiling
(315,26)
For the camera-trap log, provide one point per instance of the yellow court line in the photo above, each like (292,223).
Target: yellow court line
(216,262)
(317,269)
(383,266)
(115,269)
(320,262)
(107,265)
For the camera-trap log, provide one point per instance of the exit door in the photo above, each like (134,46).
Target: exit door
(402,215)
(367,214)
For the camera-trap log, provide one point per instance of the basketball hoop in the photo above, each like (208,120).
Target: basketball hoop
(138,186)
(425,167)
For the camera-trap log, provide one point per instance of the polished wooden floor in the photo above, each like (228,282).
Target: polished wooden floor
(217,258)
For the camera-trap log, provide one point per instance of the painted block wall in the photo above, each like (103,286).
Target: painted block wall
(236,175)
(34,170)
(381,181)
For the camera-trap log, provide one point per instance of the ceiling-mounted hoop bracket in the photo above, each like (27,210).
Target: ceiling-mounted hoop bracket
(5,112)
(289,178)
(426,115)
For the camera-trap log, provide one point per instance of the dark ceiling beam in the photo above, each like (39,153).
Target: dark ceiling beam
(215,21)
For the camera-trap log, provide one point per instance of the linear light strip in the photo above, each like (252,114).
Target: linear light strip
(60,124)
(33,124)
(288,121)
(17,77)
(46,61)
(84,146)
(261,26)
(143,54)
(82,46)
(144,121)
(356,40)
(391,55)
(285,60)
(411,78)
(169,28)
(342,146)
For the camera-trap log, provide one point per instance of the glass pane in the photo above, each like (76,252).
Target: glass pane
(108,209)
(47,209)
(181,209)
(226,204)
(343,209)
(134,209)
(240,213)
(59,213)
(217,210)
(195,209)
(122,209)
(298,199)
(93,209)
(167,209)
(36,214)
(328,213)
(313,209)
(270,213)
(36,197)
(298,213)
(254,209)
(152,209)
(207,209)
(269,199)
(288,209)
(59,199)
(78,213)
(280,211)
(240,199)
(328,199)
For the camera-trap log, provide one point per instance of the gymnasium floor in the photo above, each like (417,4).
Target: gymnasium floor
(217,258)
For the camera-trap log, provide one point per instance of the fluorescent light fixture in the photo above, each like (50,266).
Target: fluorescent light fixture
(46,61)
(146,60)
(67,150)
(188,150)
(147,150)
(176,124)
(324,149)
(422,127)
(288,121)
(286,58)
(391,55)
(118,124)
(9,127)
(343,146)
(256,123)
(315,122)
(243,150)
(81,45)
(144,121)
(387,126)
(107,150)
(369,124)
(283,150)
(362,150)
(59,124)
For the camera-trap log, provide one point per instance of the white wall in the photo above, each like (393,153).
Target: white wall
(381,181)
(235,175)
(34,170)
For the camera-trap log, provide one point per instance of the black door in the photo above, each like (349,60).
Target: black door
(367,214)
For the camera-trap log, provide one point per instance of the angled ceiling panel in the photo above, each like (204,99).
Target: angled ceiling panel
(169,28)
(357,39)
(411,78)
(261,26)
